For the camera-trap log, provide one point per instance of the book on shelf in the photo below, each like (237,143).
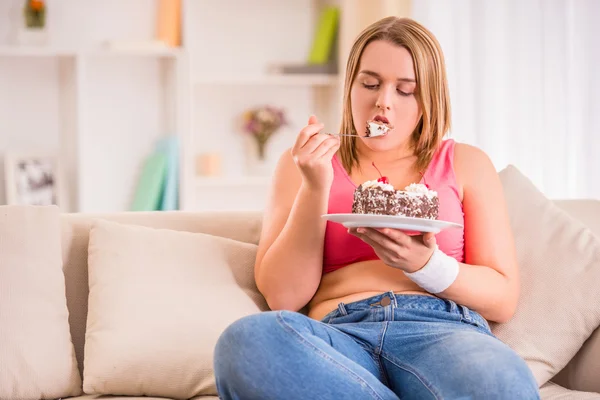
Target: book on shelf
(170,194)
(322,58)
(325,37)
(168,24)
(158,184)
(150,185)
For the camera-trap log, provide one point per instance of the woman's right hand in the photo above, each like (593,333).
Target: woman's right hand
(312,154)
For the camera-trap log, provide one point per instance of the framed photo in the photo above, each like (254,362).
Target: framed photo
(34,179)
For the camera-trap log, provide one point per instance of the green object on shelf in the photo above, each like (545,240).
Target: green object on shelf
(148,194)
(169,146)
(324,36)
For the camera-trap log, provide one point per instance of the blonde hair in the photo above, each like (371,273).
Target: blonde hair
(431,89)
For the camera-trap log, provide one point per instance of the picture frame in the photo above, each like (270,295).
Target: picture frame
(34,179)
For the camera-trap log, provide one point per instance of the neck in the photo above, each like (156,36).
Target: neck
(387,157)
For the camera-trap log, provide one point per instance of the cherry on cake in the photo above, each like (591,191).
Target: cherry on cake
(379,197)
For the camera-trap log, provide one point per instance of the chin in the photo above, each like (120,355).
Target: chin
(379,144)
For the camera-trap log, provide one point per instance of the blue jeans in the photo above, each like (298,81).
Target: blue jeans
(385,347)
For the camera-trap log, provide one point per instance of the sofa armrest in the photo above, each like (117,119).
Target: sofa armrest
(583,371)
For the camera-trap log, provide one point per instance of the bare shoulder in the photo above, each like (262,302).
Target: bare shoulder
(473,166)
(467,156)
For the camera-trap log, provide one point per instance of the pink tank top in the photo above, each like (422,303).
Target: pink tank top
(342,249)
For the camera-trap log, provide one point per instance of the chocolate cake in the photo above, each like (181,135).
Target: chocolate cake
(379,197)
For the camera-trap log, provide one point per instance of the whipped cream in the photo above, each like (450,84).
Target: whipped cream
(419,188)
(376,129)
(414,189)
(375,183)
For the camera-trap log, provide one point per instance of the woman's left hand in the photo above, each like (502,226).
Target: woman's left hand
(397,249)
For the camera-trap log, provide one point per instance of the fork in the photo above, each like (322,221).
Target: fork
(339,134)
(345,134)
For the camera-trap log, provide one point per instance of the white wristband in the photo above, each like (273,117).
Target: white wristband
(438,274)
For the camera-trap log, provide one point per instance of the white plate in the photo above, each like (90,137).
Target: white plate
(391,221)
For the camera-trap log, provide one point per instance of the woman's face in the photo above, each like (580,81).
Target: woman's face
(385,86)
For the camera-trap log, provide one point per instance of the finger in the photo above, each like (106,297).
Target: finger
(314,142)
(331,152)
(384,254)
(378,237)
(429,239)
(326,147)
(363,237)
(396,235)
(313,120)
(305,135)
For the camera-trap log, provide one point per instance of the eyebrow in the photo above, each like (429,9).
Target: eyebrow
(376,75)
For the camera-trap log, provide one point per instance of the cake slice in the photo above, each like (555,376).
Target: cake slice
(380,198)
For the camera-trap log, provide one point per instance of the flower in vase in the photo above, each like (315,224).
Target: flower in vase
(35,13)
(262,122)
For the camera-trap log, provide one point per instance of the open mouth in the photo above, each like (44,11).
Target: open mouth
(381,118)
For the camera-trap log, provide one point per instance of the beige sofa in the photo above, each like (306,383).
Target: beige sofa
(581,374)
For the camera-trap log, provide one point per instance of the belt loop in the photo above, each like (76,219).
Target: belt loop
(466,314)
(393,298)
(342,309)
(453,307)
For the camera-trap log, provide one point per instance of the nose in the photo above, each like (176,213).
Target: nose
(384,100)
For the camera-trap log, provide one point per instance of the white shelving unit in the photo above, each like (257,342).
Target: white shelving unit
(228,80)
(94,128)
(101,109)
(104,110)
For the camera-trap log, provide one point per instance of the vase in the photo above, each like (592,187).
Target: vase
(31,36)
(257,161)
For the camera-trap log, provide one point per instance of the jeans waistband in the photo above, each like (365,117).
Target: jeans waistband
(407,302)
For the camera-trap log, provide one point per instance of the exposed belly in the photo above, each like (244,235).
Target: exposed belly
(356,282)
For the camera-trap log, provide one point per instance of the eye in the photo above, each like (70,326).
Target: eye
(402,93)
(370,87)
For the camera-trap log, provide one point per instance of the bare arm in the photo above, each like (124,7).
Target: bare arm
(289,260)
(488,281)
(290,254)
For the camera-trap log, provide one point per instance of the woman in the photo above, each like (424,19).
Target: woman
(390,315)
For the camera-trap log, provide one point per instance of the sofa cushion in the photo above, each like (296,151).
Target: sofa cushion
(559,260)
(552,391)
(158,301)
(37,359)
(237,225)
(582,372)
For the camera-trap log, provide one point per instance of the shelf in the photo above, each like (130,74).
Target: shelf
(275,80)
(24,51)
(233,182)
(41,51)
